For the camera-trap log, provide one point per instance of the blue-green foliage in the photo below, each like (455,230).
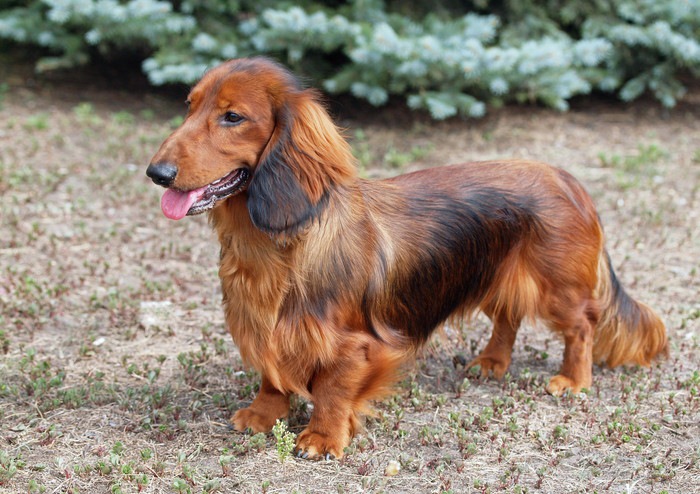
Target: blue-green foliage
(446,62)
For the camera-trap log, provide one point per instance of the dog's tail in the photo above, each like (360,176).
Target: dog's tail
(628,332)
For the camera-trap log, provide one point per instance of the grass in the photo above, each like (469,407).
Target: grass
(632,169)
(117,373)
(393,158)
(4,88)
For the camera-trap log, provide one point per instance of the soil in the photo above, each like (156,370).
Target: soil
(117,373)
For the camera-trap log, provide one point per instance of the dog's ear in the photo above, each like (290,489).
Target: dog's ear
(278,202)
(305,157)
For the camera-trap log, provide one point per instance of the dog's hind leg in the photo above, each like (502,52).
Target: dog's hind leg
(514,297)
(577,325)
(495,358)
(269,405)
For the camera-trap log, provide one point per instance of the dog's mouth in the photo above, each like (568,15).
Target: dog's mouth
(177,204)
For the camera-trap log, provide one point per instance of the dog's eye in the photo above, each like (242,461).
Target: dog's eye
(232,118)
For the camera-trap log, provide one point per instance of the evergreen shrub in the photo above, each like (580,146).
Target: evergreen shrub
(446,57)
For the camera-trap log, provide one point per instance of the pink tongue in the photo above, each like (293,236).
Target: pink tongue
(175,204)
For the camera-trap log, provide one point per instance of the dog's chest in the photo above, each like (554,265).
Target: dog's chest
(257,296)
(254,284)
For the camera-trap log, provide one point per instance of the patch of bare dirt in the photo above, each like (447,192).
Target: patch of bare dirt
(117,374)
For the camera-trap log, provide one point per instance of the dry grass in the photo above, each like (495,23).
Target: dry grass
(117,374)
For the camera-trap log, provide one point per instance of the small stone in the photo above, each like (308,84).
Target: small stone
(392,469)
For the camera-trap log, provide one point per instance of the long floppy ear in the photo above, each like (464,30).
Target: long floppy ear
(304,160)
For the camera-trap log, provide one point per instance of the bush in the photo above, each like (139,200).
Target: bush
(453,58)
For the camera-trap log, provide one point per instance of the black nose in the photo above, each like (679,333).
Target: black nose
(162,173)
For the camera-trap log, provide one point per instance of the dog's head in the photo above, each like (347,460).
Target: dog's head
(251,128)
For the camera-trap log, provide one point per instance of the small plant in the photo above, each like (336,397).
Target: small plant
(225,460)
(4,342)
(609,160)
(361,150)
(644,160)
(641,162)
(256,442)
(192,363)
(37,122)
(285,440)
(35,487)
(397,159)
(175,122)
(181,487)
(213,485)
(560,432)
(123,118)
(85,113)
(141,482)
(4,88)
(8,466)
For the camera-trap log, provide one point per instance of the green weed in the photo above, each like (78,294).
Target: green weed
(9,465)
(147,114)
(85,114)
(123,118)
(284,440)
(397,159)
(37,122)
(645,157)
(212,485)
(632,167)
(362,151)
(4,341)
(35,487)
(192,364)
(257,442)
(392,158)
(175,122)
(4,89)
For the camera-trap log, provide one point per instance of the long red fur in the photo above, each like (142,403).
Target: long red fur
(331,282)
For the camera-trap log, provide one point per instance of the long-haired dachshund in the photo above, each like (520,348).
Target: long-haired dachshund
(331,282)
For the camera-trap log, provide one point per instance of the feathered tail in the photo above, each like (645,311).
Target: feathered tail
(628,332)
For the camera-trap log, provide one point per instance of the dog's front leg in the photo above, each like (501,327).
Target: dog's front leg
(334,421)
(269,405)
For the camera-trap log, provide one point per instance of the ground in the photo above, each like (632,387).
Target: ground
(117,373)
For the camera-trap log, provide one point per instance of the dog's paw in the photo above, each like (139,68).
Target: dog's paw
(558,385)
(490,366)
(318,446)
(249,419)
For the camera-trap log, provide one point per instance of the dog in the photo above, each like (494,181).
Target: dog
(331,282)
